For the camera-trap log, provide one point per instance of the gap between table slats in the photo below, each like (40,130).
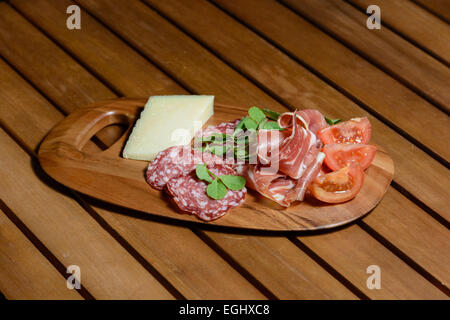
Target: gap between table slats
(30,269)
(435,7)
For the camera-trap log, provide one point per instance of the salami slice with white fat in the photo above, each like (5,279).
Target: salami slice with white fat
(170,163)
(224,127)
(189,193)
(175,162)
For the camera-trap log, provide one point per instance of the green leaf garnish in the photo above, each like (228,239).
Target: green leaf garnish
(233,182)
(262,124)
(221,143)
(240,125)
(272,125)
(217,186)
(214,137)
(219,137)
(271,114)
(218,150)
(256,114)
(250,124)
(216,190)
(332,121)
(202,173)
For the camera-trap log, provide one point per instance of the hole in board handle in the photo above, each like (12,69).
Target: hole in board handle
(116,126)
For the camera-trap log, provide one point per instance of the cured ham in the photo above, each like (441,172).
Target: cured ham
(311,118)
(279,187)
(279,163)
(292,150)
(289,160)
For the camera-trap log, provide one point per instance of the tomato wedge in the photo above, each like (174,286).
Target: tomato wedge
(338,156)
(338,186)
(357,130)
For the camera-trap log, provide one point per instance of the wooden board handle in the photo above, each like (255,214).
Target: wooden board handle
(78,128)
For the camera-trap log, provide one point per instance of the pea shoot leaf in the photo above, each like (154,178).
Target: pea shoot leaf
(272,125)
(233,182)
(218,150)
(250,124)
(332,121)
(271,114)
(216,190)
(202,173)
(256,114)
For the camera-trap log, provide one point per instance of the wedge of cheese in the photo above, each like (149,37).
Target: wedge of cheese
(165,122)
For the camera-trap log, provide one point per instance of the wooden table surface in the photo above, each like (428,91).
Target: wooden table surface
(279,54)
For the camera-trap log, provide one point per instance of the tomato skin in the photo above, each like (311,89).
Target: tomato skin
(338,156)
(338,186)
(357,130)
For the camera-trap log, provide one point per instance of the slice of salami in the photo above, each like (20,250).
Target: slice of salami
(189,193)
(175,162)
(224,127)
(170,163)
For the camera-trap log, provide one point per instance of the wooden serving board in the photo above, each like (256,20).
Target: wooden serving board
(107,176)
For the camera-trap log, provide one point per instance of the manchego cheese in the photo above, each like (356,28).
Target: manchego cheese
(165,122)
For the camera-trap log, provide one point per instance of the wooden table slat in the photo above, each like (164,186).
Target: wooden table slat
(24,272)
(396,276)
(414,233)
(440,8)
(70,233)
(414,23)
(394,54)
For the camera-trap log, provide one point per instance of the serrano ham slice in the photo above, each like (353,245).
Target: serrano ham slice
(274,186)
(312,119)
(289,160)
(269,141)
(291,150)
(279,187)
